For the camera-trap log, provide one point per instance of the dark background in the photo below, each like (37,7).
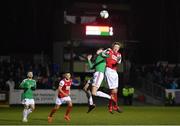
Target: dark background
(31,26)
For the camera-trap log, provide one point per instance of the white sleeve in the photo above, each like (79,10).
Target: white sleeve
(61,83)
(107,51)
(104,54)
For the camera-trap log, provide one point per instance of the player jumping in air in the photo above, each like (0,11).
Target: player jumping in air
(63,96)
(111,74)
(99,65)
(27,96)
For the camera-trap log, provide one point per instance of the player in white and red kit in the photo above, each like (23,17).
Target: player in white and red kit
(63,96)
(111,74)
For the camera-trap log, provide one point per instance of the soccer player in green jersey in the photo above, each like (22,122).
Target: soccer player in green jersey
(28,85)
(99,65)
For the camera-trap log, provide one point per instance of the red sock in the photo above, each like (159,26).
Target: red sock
(52,112)
(110,102)
(68,110)
(116,99)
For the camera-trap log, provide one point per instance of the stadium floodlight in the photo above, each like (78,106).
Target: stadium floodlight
(104,14)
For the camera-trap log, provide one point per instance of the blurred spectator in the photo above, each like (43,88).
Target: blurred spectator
(130,94)
(176,71)
(10,83)
(125,94)
(170,99)
(76,81)
(173,84)
(157,74)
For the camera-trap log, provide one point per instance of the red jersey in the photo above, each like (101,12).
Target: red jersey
(113,59)
(66,85)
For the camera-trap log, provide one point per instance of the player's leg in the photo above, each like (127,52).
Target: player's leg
(87,89)
(115,106)
(98,78)
(26,104)
(86,86)
(25,113)
(113,85)
(95,92)
(31,107)
(110,105)
(69,108)
(112,79)
(53,111)
(90,98)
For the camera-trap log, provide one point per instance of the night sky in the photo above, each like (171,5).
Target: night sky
(31,26)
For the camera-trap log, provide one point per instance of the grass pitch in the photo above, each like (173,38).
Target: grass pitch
(132,115)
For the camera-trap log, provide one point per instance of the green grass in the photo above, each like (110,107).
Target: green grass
(132,115)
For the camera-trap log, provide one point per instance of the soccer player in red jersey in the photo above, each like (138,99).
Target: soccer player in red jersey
(63,96)
(111,74)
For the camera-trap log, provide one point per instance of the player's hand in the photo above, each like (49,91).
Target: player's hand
(108,49)
(66,95)
(89,57)
(29,86)
(119,59)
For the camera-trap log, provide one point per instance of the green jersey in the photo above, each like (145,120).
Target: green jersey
(28,85)
(100,62)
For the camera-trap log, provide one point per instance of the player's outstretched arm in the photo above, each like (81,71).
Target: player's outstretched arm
(90,64)
(22,84)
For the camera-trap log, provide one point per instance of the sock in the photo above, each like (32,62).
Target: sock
(90,99)
(116,98)
(52,112)
(68,110)
(25,113)
(110,102)
(102,94)
(29,111)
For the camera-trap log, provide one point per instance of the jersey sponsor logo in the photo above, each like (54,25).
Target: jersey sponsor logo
(114,57)
(67,87)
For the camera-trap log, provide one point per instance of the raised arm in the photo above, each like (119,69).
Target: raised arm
(22,84)
(90,64)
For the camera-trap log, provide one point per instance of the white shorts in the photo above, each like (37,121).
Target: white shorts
(27,101)
(59,101)
(97,79)
(112,78)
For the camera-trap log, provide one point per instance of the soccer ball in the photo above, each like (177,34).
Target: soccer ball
(104,14)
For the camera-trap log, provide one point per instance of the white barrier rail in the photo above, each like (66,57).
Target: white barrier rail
(175,93)
(47,96)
